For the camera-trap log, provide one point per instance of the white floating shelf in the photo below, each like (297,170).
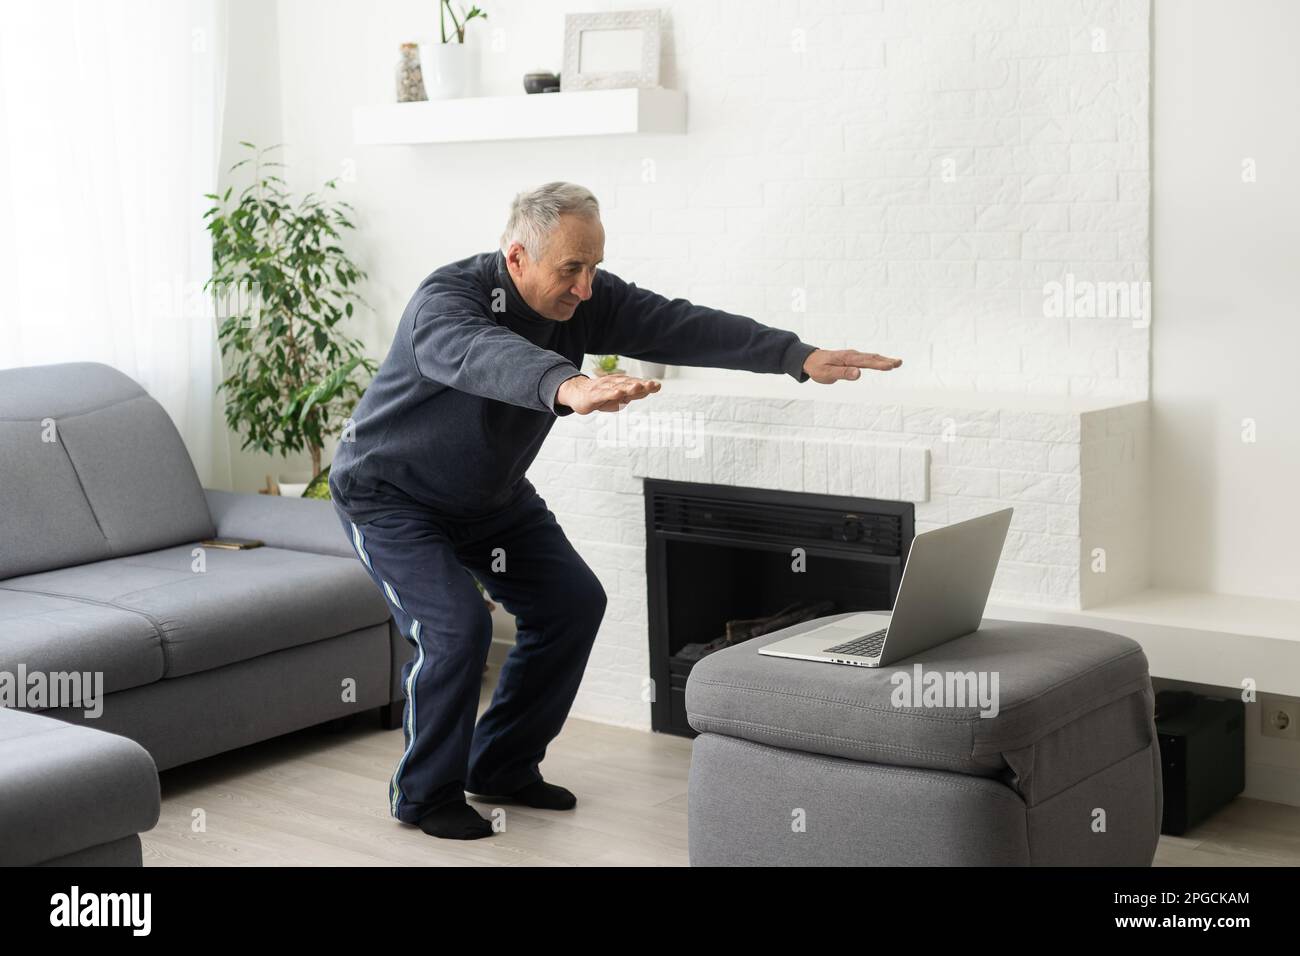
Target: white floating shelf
(525,116)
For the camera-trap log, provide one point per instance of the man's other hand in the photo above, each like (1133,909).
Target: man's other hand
(831,365)
(608,393)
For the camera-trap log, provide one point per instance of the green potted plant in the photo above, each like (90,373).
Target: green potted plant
(284,287)
(448,66)
(607,364)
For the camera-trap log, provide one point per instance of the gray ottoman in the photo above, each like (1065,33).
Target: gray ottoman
(805,763)
(70,795)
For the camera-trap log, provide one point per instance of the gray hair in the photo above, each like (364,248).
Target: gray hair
(534,214)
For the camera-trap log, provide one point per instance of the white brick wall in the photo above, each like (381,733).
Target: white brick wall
(904,176)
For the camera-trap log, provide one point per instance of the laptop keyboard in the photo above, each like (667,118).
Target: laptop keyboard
(868,646)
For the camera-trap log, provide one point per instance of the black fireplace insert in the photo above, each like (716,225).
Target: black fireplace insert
(727,564)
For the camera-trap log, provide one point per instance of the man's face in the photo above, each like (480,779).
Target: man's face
(560,280)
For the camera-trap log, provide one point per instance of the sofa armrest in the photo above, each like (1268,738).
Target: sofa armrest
(69,787)
(296,524)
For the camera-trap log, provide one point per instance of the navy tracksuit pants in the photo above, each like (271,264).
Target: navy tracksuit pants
(423,565)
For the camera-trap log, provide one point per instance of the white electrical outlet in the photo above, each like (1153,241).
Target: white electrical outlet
(1279,717)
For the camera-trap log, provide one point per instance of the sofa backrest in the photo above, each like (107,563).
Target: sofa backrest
(91,467)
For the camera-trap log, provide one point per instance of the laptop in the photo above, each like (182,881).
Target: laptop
(945,587)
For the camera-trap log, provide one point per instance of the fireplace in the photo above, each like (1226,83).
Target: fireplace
(717,554)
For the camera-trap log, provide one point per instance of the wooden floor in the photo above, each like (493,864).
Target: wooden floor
(318,798)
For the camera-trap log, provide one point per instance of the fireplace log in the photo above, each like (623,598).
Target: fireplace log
(739,631)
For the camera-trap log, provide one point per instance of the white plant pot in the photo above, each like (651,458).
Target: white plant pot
(654,370)
(292,486)
(448,70)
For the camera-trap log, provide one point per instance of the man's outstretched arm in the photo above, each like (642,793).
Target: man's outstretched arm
(638,323)
(627,320)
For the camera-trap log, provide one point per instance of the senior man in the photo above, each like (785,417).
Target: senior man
(432,488)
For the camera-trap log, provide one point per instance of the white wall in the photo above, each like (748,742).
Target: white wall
(820,170)
(1225,331)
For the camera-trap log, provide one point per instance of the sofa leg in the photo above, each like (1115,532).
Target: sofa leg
(390,715)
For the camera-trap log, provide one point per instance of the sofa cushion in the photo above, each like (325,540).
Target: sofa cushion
(243,604)
(67,788)
(137,475)
(1050,678)
(45,519)
(45,634)
(91,467)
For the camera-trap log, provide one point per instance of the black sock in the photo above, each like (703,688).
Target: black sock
(455,820)
(545,796)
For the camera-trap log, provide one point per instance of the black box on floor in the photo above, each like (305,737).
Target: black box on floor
(1202,755)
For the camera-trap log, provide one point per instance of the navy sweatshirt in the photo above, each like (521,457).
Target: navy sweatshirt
(461,405)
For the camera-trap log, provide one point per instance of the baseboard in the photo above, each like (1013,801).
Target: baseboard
(1272,783)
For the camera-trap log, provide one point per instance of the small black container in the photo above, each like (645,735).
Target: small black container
(541,83)
(1202,756)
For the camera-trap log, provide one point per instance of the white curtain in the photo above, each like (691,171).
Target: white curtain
(110,129)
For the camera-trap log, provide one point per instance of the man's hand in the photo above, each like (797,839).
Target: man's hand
(831,365)
(608,393)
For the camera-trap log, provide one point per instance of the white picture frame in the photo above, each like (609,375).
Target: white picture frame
(601,51)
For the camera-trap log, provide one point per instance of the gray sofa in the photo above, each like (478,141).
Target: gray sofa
(200,651)
(811,764)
